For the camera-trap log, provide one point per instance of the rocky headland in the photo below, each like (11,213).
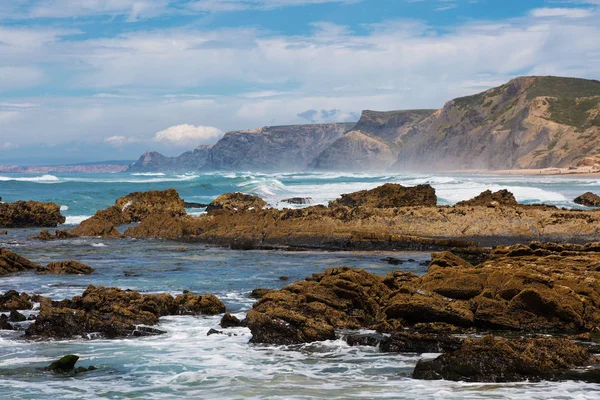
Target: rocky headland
(153,161)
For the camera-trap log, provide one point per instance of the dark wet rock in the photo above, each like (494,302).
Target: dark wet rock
(25,214)
(494,359)
(113,312)
(283,278)
(141,331)
(489,199)
(16,316)
(12,262)
(298,200)
(230,321)
(45,235)
(189,204)
(410,342)
(392,260)
(367,339)
(212,331)
(3,232)
(390,195)
(64,364)
(472,255)
(235,202)
(13,300)
(260,293)
(588,199)
(4,324)
(69,267)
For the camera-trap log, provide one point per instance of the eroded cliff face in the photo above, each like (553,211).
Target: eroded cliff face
(373,144)
(276,148)
(530,122)
(153,161)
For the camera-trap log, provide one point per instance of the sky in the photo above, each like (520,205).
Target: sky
(92,80)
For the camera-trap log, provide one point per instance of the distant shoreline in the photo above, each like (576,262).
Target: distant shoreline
(583,172)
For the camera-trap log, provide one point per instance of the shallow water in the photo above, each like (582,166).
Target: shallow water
(185,362)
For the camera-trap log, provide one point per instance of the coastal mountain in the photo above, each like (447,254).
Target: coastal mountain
(274,148)
(373,144)
(153,161)
(529,122)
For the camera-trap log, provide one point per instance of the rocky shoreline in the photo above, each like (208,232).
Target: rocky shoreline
(527,311)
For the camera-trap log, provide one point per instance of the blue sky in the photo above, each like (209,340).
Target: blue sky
(109,79)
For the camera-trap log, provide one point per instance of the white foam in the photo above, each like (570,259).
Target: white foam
(76,219)
(148,174)
(64,208)
(39,179)
(98,245)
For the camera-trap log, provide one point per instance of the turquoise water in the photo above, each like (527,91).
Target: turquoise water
(185,362)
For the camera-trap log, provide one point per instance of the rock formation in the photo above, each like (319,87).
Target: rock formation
(24,214)
(69,267)
(153,161)
(390,195)
(588,199)
(113,312)
(235,202)
(12,262)
(274,148)
(492,359)
(489,199)
(373,144)
(530,122)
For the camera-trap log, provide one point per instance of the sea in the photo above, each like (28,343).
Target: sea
(186,362)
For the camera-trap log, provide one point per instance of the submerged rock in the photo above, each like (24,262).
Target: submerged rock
(298,200)
(230,321)
(113,312)
(494,359)
(235,202)
(588,199)
(488,199)
(45,235)
(25,214)
(390,195)
(4,324)
(16,316)
(12,262)
(69,267)
(67,363)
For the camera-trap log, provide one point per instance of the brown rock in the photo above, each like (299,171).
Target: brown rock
(24,214)
(112,312)
(96,226)
(12,262)
(230,321)
(500,360)
(45,235)
(69,267)
(588,199)
(488,199)
(13,300)
(409,342)
(235,202)
(390,195)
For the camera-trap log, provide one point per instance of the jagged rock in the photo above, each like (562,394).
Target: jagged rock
(12,300)
(16,316)
(235,202)
(212,331)
(188,204)
(4,324)
(113,312)
(488,199)
(24,214)
(64,364)
(230,321)
(66,267)
(298,200)
(392,260)
(45,235)
(500,360)
(12,262)
(134,207)
(153,161)
(588,199)
(260,293)
(410,342)
(389,195)
(365,339)
(273,148)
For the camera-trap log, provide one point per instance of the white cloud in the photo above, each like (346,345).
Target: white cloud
(561,12)
(8,146)
(13,77)
(237,5)
(119,141)
(188,135)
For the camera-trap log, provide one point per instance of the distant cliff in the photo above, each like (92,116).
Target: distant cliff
(153,161)
(274,148)
(530,122)
(373,144)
